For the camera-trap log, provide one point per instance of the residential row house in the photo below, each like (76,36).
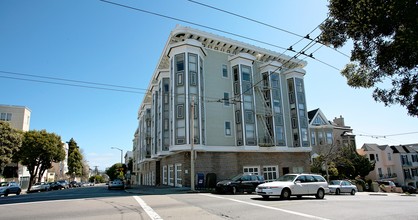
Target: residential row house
(327,137)
(393,163)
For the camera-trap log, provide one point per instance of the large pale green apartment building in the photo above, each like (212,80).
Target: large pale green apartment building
(245,107)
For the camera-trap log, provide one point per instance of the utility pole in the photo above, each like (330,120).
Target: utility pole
(192,155)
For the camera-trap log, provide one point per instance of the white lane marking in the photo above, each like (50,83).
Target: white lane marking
(151,213)
(268,207)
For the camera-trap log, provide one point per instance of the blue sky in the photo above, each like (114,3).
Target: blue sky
(94,41)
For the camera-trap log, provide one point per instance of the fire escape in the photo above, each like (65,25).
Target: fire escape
(264,110)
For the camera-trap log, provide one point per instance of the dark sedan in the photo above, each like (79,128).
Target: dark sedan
(241,183)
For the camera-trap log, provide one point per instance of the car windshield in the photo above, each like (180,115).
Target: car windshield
(237,177)
(334,182)
(287,178)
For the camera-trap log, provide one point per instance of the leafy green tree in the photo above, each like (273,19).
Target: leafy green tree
(10,142)
(115,171)
(385,40)
(96,179)
(75,159)
(39,150)
(351,165)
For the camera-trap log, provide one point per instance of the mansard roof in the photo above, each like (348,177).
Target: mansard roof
(221,44)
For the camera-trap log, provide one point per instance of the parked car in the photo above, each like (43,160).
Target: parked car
(116,184)
(64,183)
(56,186)
(295,185)
(240,183)
(387,186)
(409,189)
(39,186)
(342,186)
(74,184)
(7,188)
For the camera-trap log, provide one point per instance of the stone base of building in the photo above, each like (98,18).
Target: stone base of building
(174,170)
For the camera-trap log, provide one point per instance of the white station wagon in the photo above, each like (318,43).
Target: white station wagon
(295,185)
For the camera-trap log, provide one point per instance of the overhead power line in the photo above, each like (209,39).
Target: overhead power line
(204,26)
(74,85)
(267,25)
(71,80)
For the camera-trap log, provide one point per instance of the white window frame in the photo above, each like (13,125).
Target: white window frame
(165,182)
(177,173)
(273,170)
(228,131)
(225,67)
(251,170)
(171,175)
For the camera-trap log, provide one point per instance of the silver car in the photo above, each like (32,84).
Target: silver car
(342,186)
(295,185)
(116,184)
(40,186)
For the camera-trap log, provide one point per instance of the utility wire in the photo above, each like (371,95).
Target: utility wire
(70,80)
(267,25)
(192,23)
(74,85)
(204,26)
(222,31)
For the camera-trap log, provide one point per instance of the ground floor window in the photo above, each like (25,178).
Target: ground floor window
(178,177)
(270,173)
(165,175)
(171,175)
(253,170)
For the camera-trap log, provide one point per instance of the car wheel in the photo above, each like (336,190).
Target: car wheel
(320,194)
(234,190)
(18,192)
(265,197)
(337,192)
(353,192)
(285,194)
(299,197)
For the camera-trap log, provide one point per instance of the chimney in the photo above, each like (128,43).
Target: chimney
(339,121)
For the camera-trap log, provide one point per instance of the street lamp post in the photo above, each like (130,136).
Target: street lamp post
(121,153)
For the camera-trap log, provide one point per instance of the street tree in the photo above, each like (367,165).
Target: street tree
(75,159)
(39,150)
(352,165)
(10,142)
(117,170)
(385,47)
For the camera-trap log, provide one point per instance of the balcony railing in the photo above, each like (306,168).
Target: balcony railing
(387,176)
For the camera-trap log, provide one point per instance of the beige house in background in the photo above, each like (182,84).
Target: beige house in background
(19,118)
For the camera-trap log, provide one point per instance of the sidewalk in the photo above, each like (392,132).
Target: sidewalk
(160,190)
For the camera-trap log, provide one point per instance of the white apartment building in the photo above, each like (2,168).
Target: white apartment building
(241,108)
